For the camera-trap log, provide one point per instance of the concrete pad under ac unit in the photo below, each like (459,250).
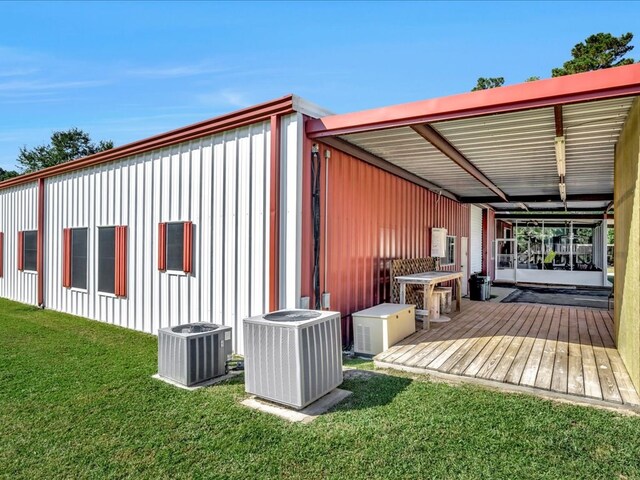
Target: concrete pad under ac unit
(307,414)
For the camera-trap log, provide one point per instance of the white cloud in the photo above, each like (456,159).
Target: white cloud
(40,85)
(224,98)
(17,72)
(174,71)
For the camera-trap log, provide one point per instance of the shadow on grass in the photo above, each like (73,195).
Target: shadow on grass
(371,389)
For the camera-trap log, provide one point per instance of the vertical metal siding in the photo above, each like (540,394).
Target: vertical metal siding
(18,212)
(220,183)
(291,153)
(372,217)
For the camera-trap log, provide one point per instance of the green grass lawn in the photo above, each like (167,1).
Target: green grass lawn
(77,400)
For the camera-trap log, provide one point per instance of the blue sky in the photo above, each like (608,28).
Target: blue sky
(124,71)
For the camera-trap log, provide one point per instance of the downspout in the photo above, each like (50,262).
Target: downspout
(327,156)
(315,215)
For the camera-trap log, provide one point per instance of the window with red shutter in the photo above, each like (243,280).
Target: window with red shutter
(1,254)
(175,247)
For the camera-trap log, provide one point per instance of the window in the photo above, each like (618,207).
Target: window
(74,257)
(450,251)
(106,259)
(112,260)
(175,246)
(28,250)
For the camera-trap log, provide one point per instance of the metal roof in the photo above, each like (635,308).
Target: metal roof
(509,135)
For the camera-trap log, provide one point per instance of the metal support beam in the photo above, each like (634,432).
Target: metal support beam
(533,211)
(576,197)
(609,207)
(370,158)
(560,152)
(432,136)
(557,113)
(560,216)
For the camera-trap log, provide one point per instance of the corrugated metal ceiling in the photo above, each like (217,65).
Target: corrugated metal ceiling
(408,150)
(514,150)
(591,132)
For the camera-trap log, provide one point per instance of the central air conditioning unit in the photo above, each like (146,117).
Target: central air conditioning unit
(293,357)
(193,353)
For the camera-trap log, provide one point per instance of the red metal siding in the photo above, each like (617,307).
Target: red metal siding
(371,217)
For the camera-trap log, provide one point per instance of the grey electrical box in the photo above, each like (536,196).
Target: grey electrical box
(326,301)
(304,303)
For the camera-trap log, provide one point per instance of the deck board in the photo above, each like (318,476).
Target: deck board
(520,360)
(530,372)
(545,370)
(508,357)
(575,381)
(484,364)
(568,350)
(559,379)
(607,380)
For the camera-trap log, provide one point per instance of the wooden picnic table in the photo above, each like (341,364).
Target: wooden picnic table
(429,280)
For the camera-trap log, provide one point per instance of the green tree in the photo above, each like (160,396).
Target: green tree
(532,79)
(598,51)
(489,82)
(65,146)
(7,174)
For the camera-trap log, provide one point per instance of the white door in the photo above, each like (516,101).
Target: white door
(475,262)
(464,262)
(506,261)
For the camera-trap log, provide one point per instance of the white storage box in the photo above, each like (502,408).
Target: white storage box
(378,328)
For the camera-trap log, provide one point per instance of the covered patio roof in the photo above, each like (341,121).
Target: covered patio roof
(544,145)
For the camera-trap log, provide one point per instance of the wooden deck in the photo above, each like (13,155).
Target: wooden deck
(568,350)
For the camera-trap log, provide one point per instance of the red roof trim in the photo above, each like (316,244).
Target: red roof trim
(600,84)
(240,118)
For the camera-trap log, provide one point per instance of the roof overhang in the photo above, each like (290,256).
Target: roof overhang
(597,85)
(530,145)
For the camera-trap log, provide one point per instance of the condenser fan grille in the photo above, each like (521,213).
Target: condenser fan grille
(291,316)
(194,328)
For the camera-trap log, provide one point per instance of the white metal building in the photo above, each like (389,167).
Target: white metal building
(218,182)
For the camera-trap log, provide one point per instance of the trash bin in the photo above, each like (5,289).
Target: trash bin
(479,288)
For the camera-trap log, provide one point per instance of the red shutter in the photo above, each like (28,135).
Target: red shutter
(1,254)
(121,262)
(66,257)
(187,252)
(162,246)
(21,251)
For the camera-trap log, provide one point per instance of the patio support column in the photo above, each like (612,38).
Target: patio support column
(627,238)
